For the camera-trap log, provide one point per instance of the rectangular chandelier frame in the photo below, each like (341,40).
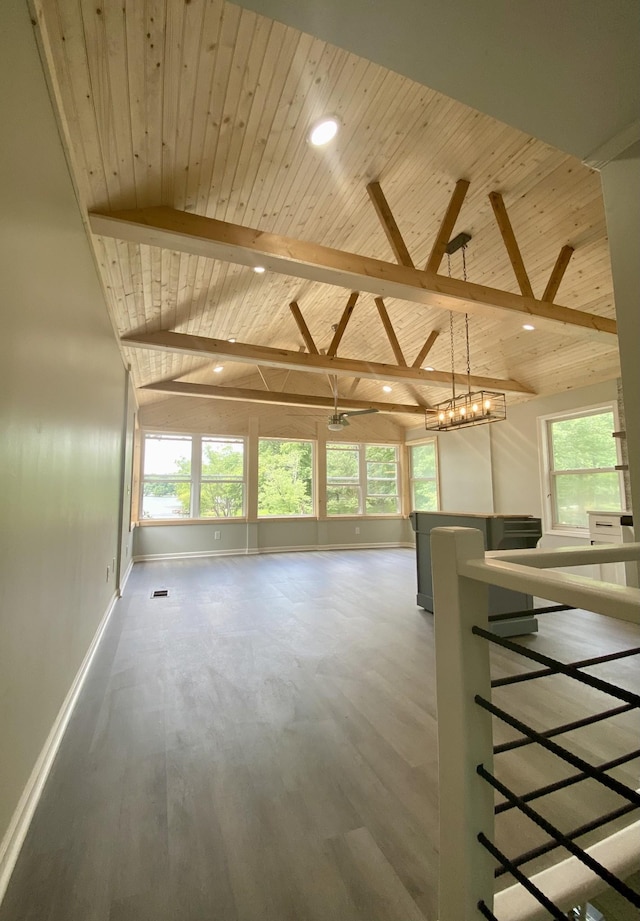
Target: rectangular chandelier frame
(476,408)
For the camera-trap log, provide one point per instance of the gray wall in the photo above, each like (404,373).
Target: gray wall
(61,395)
(252,537)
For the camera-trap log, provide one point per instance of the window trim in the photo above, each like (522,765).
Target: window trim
(195,479)
(314,472)
(547,477)
(412,479)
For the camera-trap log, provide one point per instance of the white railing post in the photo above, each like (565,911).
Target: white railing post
(464,728)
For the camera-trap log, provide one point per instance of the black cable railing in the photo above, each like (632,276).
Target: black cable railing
(585,770)
(551,609)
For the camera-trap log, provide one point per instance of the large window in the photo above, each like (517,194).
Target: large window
(424,476)
(285,477)
(581,456)
(192,476)
(362,479)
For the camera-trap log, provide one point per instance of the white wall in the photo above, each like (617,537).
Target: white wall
(515,451)
(61,402)
(464,469)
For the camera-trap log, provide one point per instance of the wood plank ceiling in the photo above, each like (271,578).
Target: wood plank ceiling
(205,107)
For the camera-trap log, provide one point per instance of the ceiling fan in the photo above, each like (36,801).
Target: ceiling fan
(339,420)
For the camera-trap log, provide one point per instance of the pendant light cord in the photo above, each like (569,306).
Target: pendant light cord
(466,321)
(453,376)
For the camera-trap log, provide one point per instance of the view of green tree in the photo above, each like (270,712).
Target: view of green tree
(222,479)
(343,479)
(158,488)
(381,453)
(285,477)
(425,496)
(576,494)
(423,461)
(423,477)
(380,480)
(583,443)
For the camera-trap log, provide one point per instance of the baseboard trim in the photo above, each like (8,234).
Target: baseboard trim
(19,825)
(196,554)
(124,579)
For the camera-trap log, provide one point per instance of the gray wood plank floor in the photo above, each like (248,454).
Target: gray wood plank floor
(261,746)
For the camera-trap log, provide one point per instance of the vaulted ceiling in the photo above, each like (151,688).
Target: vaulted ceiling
(205,108)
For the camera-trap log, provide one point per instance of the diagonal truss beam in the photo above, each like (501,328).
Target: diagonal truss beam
(389,225)
(426,348)
(212,392)
(304,329)
(166,341)
(342,325)
(510,242)
(390,331)
(447,225)
(190,233)
(557,273)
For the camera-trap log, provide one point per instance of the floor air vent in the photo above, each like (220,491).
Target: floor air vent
(160,593)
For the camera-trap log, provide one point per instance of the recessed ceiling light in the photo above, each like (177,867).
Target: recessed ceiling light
(258,269)
(231,339)
(527,326)
(387,388)
(323,131)
(428,368)
(218,369)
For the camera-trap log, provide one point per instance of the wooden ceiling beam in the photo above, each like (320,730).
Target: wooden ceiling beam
(167,341)
(426,348)
(190,233)
(213,392)
(391,334)
(342,325)
(447,225)
(557,274)
(510,242)
(389,225)
(304,329)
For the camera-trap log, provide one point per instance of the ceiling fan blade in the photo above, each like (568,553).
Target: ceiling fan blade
(360,412)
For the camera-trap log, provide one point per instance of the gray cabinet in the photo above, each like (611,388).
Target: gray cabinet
(500,532)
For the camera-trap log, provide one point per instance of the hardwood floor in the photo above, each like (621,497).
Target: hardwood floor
(260,745)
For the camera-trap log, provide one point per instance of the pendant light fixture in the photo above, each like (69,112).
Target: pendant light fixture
(468,408)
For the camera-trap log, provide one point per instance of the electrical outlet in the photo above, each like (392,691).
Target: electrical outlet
(357,530)
(216,535)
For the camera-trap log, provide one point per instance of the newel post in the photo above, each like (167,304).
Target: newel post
(464,729)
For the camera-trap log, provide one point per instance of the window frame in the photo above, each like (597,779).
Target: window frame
(413,480)
(549,475)
(304,517)
(195,479)
(363,478)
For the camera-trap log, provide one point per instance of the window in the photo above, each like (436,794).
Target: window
(424,476)
(221,478)
(192,476)
(285,477)
(581,458)
(362,479)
